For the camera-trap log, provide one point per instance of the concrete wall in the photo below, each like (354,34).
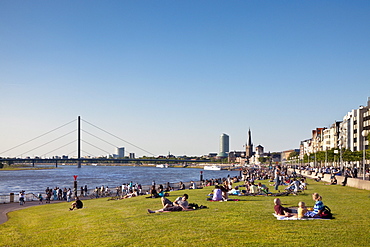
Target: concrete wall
(351,182)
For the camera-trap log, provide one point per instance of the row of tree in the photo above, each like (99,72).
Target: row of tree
(332,155)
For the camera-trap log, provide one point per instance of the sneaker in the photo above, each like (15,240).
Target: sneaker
(150,211)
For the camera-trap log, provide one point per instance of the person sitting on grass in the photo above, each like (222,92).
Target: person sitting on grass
(280,210)
(293,186)
(263,188)
(303,184)
(153,192)
(253,189)
(318,207)
(217,194)
(130,194)
(181,186)
(333,180)
(166,202)
(302,210)
(77,204)
(180,204)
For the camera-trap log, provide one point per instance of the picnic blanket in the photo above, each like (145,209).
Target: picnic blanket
(234,200)
(278,217)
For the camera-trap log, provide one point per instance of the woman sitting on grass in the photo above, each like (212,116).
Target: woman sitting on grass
(217,194)
(318,208)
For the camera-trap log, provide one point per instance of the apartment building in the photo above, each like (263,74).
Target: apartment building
(346,134)
(331,136)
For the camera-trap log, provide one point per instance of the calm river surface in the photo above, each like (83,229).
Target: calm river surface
(36,181)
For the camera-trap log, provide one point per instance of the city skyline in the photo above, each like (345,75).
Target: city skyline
(172,76)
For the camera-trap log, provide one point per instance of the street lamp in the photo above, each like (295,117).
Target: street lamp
(364,134)
(335,155)
(340,153)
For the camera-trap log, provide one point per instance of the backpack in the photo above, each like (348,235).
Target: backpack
(193,206)
(326,213)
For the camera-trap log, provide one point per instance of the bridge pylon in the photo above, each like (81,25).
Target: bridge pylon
(79,142)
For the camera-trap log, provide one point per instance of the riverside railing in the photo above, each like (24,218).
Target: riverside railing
(14,197)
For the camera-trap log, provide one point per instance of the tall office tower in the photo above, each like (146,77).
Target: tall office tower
(224,145)
(120,152)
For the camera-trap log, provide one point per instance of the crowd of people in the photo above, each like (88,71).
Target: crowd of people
(222,189)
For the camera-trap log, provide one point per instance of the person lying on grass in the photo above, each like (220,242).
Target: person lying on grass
(280,210)
(180,204)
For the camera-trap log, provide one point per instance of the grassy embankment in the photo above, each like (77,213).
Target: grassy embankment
(248,222)
(22,167)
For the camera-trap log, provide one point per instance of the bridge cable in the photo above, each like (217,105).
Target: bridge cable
(38,137)
(118,137)
(47,143)
(61,147)
(99,138)
(95,146)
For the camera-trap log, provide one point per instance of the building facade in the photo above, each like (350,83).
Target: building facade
(120,153)
(351,133)
(224,146)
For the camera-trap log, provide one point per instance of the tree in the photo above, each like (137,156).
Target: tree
(263,159)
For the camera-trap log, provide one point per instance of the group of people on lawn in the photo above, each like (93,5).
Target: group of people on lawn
(180,204)
(302,211)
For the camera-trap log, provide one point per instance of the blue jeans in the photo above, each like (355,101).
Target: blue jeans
(277,184)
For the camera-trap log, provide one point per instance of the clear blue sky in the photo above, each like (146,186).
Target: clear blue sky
(172,76)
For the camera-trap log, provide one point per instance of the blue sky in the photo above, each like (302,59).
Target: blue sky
(172,76)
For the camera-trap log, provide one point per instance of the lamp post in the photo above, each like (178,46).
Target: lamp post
(364,134)
(340,153)
(335,155)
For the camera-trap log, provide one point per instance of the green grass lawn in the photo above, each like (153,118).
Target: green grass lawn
(248,222)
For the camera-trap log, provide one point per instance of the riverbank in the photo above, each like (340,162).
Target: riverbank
(30,197)
(247,222)
(36,181)
(31,200)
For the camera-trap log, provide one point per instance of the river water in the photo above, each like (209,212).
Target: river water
(36,181)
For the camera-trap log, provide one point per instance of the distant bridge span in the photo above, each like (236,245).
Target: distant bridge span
(95,160)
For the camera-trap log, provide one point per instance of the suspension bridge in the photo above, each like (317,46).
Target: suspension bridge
(78,159)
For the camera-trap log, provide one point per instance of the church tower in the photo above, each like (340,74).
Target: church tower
(249,146)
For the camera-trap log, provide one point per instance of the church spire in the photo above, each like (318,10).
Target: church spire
(249,146)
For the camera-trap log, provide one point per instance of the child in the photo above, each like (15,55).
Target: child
(302,210)
(317,209)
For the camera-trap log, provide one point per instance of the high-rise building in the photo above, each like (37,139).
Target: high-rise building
(224,145)
(120,153)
